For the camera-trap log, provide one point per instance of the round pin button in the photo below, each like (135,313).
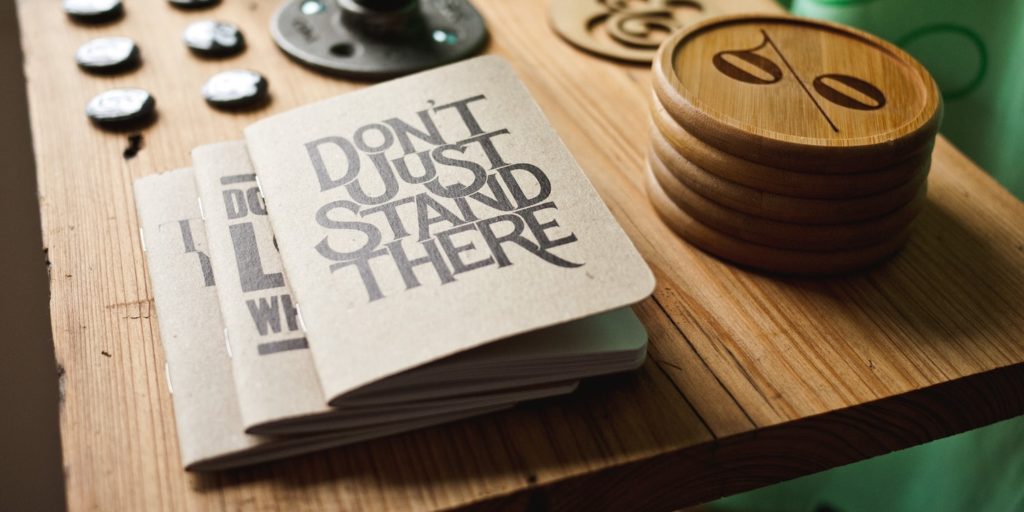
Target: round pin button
(118,108)
(801,94)
(93,11)
(193,4)
(210,38)
(236,89)
(108,55)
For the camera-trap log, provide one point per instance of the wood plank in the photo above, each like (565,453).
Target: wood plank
(758,458)
(752,379)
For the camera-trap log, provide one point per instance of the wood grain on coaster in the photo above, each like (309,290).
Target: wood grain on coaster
(779,207)
(784,235)
(798,93)
(815,185)
(763,257)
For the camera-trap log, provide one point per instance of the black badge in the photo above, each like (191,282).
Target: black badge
(236,89)
(119,108)
(93,11)
(193,4)
(108,55)
(214,38)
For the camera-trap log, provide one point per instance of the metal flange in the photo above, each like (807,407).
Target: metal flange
(376,39)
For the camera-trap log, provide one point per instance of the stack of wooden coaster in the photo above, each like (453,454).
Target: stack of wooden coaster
(790,145)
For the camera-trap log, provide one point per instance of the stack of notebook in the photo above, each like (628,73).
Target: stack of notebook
(406,255)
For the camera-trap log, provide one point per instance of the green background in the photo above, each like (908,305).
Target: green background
(975,51)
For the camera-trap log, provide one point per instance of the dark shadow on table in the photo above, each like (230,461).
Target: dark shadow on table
(31,473)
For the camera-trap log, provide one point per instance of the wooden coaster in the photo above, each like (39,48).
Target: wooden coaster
(779,207)
(759,256)
(783,235)
(624,30)
(782,181)
(799,94)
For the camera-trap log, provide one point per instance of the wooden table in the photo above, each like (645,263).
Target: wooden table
(751,379)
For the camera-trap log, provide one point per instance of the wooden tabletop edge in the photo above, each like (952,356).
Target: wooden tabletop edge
(680,478)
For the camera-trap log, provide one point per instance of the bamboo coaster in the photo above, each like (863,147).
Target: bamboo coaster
(799,94)
(762,257)
(782,235)
(782,181)
(778,207)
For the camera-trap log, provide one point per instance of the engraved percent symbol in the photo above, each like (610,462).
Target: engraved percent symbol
(821,82)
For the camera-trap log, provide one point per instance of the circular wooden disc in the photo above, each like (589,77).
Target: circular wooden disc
(803,237)
(798,93)
(782,181)
(630,31)
(779,207)
(761,257)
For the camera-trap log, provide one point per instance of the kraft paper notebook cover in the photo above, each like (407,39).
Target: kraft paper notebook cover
(277,385)
(273,370)
(430,215)
(209,425)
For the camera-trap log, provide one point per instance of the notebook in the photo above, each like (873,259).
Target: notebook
(425,219)
(413,253)
(198,368)
(277,385)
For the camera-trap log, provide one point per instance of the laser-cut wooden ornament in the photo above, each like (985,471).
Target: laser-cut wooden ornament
(627,30)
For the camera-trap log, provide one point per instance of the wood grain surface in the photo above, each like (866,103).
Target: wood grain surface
(751,379)
(782,235)
(797,93)
(786,208)
(729,246)
(778,180)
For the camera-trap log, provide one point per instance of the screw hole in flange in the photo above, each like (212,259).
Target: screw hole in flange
(342,37)
(444,36)
(311,7)
(343,50)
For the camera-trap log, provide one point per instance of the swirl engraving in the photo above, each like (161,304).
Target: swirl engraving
(643,28)
(628,30)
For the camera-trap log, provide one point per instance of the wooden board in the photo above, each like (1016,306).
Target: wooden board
(751,379)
